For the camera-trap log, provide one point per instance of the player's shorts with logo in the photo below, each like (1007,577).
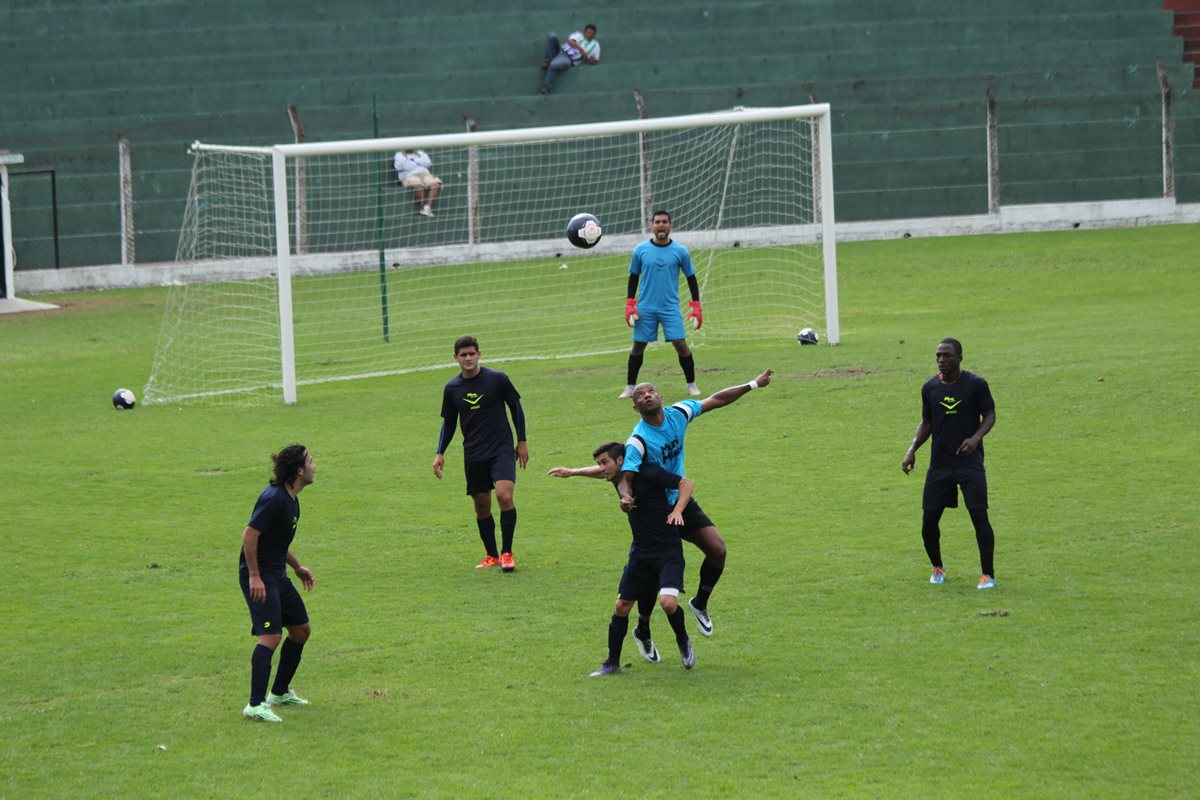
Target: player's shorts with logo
(647,576)
(942,484)
(646,327)
(483,475)
(283,606)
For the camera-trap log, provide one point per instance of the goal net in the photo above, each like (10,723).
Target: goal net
(310,263)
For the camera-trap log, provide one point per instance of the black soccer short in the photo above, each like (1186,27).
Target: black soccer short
(483,475)
(283,607)
(649,576)
(694,519)
(942,484)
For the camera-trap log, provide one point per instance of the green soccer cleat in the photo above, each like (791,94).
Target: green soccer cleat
(289,698)
(261,711)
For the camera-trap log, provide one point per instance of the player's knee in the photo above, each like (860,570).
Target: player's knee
(270,641)
(623,607)
(712,544)
(668,602)
(300,633)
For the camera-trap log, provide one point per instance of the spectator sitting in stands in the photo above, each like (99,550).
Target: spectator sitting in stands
(412,170)
(579,49)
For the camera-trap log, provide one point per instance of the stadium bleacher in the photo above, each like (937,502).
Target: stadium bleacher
(1074,80)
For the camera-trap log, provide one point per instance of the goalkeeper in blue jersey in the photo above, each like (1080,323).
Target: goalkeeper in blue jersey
(656,264)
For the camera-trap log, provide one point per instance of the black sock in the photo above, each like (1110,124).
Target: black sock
(289,659)
(677,620)
(710,573)
(487,532)
(931,535)
(985,537)
(645,607)
(635,366)
(618,626)
(508,526)
(689,368)
(260,673)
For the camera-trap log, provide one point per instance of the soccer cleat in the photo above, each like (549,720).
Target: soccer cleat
(606,669)
(628,393)
(693,390)
(506,562)
(488,561)
(288,698)
(646,647)
(687,655)
(986,582)
(937,577)
(261,711)
(703,620)
(426,211)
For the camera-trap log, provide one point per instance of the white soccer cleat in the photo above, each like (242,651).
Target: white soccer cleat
(693,390)
(628,393)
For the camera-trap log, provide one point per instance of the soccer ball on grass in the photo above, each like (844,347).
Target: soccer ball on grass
(123,400)
(807,336)
(584,231)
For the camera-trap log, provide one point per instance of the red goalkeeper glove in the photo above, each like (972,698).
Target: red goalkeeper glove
(696,313)
(631,315)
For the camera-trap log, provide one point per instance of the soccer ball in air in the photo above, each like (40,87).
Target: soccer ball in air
(807,336)
(584,231)
(123,400)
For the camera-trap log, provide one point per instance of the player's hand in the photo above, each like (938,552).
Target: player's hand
(628,502)
(696,314)
(561,472)
(967,447)
(258,590)
(675,518)
(631,315)
(765,378)
(306,577)
(522,454)
(909,461)
(438,462)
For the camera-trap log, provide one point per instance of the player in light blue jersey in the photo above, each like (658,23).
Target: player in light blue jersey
(658,439)
(656,264)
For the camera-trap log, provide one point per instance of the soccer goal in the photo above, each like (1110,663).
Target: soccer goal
(310,263)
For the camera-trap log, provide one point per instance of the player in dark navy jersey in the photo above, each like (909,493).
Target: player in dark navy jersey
(658,439)
(656,264)
(655,563)
(476,400)
(274,603)
(957,410)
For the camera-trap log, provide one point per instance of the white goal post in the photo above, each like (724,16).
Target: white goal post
(348,280)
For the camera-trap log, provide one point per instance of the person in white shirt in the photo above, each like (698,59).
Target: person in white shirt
(412,171)
(580,48)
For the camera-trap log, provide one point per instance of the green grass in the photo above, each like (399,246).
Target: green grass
(836,670)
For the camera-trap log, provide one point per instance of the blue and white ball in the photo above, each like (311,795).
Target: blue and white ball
(807,336)
(584,231)
(123,400)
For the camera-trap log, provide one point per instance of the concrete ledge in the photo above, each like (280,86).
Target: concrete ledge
(1010,219)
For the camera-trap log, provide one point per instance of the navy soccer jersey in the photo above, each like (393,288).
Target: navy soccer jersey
(659,267)
(652,536)
(954,410)
(663,444)
(478,405)
(276,516)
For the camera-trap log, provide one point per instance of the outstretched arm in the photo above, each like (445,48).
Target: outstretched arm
(685,494)
(910,458)
(727,396)
(594,471)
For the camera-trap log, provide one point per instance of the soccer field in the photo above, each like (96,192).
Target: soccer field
(835,668)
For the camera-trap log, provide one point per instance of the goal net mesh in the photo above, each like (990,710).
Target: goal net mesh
(379,289)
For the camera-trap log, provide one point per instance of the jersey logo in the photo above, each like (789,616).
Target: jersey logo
(669,451)
(950,404)
(473,400)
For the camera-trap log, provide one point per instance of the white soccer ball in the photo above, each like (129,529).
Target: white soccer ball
(807,336)
(584,231)
(123,400)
